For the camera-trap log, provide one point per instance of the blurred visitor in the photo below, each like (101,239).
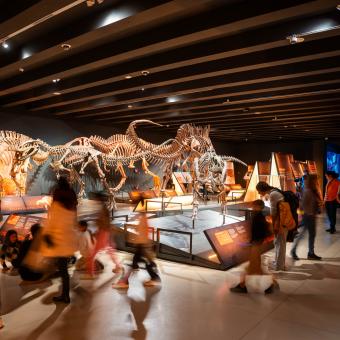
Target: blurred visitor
(275,196)
(260,233)
(310,205)
(86,244)
(59,233)
(104,241)
(26,273)
(332,198)
(10,251)
(143,253)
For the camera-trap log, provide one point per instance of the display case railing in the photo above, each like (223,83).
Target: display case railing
(158,233)
(164,205)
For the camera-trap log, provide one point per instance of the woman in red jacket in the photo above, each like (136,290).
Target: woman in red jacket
(332,198)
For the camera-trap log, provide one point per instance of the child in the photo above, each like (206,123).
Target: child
(103,237)
(144,254)
(10,250)
(86,244)
(26,273)
(260,231)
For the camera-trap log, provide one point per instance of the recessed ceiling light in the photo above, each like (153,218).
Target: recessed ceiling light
(280,137)
(130,106)
(257,113)
(145,73)
(129,76)
(142,89)
(326,138)
(173,99)
(5,45)
(57,93)
(65,47)
(307,130)
(226,101)
(286,126)
(21,69)
(57,80)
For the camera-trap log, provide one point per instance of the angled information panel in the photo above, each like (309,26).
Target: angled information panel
(231,243)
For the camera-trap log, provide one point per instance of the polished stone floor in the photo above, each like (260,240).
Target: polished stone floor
(193,303)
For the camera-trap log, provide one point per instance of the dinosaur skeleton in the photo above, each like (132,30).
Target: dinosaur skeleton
(210,171)
(192,144)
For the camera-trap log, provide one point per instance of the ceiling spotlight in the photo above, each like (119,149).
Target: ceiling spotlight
(145,73)
(142,89)
(90,3)
(286,126)
(57,80)
(130,106)
(5,45)
(226,101)
(257,113)
(65,47)
(246,139)
(21,69)
(57,93)
(326,138)
(295,39)
(307,130)
(129,76)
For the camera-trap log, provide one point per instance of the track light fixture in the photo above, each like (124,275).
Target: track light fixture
(295,39)
(5,45)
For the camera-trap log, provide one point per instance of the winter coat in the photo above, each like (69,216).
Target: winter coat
(60,229)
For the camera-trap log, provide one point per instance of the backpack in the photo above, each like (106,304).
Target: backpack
(292,199)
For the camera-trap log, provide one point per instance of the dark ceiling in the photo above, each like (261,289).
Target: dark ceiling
(224,63)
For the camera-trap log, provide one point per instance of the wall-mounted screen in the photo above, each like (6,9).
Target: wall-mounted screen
(333,161)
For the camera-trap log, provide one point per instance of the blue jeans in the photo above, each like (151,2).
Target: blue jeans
(310,225)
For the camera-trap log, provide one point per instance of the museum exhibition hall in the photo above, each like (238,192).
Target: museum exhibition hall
(169,169)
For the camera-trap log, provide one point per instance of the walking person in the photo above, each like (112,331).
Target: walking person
(331,199)
(275,196)
(260,232)
(59,233)
(310,204)
(104,241)
(144,253)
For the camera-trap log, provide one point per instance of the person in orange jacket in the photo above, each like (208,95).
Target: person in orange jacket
(331,199)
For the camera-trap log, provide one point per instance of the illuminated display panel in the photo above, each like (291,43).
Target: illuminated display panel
(231,243)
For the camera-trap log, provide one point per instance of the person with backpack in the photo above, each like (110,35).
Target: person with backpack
(310,205)
(282,218)
(332,199)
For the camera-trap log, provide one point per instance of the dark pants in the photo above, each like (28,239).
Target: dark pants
(331,207)
(143,254)
(310,225)
(65,278)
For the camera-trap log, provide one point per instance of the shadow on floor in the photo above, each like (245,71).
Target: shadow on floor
(313,271)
